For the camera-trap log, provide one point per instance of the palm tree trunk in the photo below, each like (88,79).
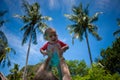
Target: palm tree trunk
(86,36)
(28,51)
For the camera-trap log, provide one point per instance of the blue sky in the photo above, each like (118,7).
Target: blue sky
(56,9)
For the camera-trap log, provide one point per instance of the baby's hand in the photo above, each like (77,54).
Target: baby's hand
(44,53)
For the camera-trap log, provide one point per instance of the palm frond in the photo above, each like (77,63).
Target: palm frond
(76,35)
(23,18)
(9,62)
(116,32)
(2,56)
(72,17)
(34,37)
(7,49)
(2,13)
(26,35)
(3,38)
(26,6)
(3,59)
(95,17)
(92,27)
(3,62)
(77,10)
(79,31)
(93,30)
(118,21)
(18,16)
(95,34)
(86,11)
(42,26)
(80,6)
(36,7)
(70,28)
(12,50)
(46,18)
(25,26)
(1,23)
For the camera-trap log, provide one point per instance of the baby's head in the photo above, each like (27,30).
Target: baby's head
(50,35)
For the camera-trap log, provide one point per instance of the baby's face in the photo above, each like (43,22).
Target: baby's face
(52,37)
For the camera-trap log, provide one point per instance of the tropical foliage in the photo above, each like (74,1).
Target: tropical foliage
(83,24)
(77,67)
(2,21)
(4,48)
(79,71)
(97,73)
(15,73)
(111,57)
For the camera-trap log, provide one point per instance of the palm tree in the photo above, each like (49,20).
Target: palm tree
(82,25)
(118,31)
(4,48)
(33,21)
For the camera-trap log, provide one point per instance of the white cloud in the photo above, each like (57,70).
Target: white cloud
(54,4)
(67,5)
(103,4)
(51,3)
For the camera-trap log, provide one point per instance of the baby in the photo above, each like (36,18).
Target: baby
(54,49)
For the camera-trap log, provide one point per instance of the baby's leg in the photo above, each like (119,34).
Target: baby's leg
(40,73)
(43,74)
(65,70)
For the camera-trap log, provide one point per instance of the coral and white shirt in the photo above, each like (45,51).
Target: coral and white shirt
(46,46)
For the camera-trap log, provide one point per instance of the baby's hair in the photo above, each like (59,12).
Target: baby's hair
(47,31)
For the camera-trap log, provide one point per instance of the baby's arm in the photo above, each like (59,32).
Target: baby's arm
(44,52)
(43,49)
(64,48)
